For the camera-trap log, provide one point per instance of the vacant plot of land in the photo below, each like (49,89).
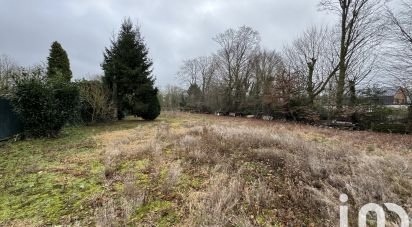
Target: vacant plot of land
(198,170)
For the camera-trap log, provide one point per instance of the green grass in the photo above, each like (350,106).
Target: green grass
(49,181)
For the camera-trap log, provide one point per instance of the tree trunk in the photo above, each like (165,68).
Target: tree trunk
(352,89)
(311,95)
(340,89)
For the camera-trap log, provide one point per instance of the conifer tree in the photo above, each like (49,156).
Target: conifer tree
(58,63)
(128,73)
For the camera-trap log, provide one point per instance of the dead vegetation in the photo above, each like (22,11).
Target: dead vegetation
(193,171)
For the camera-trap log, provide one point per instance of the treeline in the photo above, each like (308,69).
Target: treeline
(318,76)
(46,99)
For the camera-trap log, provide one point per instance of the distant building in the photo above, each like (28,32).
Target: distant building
(400,97)
(395,97)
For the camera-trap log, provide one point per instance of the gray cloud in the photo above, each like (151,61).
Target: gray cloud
(174,30)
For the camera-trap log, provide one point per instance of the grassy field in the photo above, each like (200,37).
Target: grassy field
(199,170)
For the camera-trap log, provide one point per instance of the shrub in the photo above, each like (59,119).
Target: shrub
(390,128)
(95,102)
(305,114)
(44,107)
(298,109)
(368,119)
(149,110)
(153,109)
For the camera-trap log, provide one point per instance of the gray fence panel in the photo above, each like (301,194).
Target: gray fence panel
(9,122)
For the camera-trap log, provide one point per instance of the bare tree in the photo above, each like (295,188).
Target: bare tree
(400,48)
(96,97)
(8,68)
(287,86)
(189,72)
(199,71)
(172,98)
(237,49)
(265,66)
(363,65)
(207,67)
(359,30)
(312,57)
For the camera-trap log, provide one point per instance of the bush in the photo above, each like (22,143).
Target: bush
(298,110)
(146,107)
(390,128)
(152,110)
(367,119)
(95,102)
(44,107)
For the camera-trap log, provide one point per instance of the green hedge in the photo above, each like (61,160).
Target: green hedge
(44,107)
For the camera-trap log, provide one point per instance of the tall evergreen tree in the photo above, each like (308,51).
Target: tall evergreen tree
(127,72)
(58,63)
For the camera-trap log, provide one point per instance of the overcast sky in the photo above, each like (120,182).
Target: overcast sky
(173,30)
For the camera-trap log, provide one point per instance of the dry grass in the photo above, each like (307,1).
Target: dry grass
(194,170)
(201,170)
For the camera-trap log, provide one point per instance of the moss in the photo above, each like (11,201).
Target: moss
(168,151)
(48,180)
(261,220)
(142,179)
(133,166)
(97,168)
(46,195)
(137,168)
(118,186)
(161,211)
(163,173)
(188,182)
(168,218)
